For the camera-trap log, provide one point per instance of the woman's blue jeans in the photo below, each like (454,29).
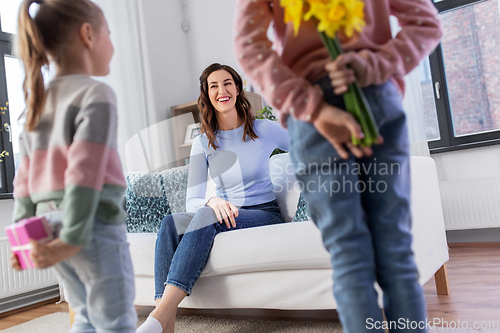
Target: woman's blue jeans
(185,240)
(362,207)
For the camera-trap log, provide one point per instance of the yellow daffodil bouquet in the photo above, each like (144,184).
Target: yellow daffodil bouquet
(330,17)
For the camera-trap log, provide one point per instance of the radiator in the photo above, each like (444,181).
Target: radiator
(27,281)
(471,204)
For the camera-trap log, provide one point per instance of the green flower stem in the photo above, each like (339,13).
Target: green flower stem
(354,99)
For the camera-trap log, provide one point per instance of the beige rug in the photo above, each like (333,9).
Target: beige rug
(59,323)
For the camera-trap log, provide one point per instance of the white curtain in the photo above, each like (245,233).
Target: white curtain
(129,77)
(413,105)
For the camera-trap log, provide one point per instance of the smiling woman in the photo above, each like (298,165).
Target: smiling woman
(235,148)
(221,93)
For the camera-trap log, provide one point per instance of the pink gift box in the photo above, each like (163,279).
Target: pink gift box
(20,233)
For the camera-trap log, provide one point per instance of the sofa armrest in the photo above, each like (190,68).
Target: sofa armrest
(429,237)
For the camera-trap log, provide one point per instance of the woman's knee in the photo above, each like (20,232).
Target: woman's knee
(204,217)
(167,224)
(204,212)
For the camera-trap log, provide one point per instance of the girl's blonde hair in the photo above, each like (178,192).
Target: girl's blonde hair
(48,32)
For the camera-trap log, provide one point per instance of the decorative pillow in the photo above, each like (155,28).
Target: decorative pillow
(175,186)
(146,202)
(302,212)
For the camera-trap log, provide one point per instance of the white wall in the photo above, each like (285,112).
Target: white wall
(167,55)
(469,164)
(210,37)
(176,58)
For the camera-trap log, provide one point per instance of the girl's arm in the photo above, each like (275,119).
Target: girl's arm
(282,88)
(23,206)
(420,33)
(279,85)
(197,177)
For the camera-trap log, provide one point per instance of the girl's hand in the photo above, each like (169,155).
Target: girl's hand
(337,126)
(49,254)
(14,262)
(344,70)
(224,210)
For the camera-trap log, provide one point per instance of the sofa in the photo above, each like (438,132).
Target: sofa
(283,266)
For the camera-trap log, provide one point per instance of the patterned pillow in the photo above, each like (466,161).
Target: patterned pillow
(146,202)
(302,212)
(175,185)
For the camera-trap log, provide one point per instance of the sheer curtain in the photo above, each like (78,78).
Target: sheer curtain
(129,77)
(414,108)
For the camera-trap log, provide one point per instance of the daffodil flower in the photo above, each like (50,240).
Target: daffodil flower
(293,12)
(332,16)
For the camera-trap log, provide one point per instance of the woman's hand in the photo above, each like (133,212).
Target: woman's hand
(337,126)
(49,254)
(344,70)
(14,262)
(224,210)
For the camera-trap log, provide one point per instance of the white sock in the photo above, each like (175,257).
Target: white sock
(151,325)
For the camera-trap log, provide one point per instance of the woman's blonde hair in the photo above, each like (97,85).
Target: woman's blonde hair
(209,124)
(49,30)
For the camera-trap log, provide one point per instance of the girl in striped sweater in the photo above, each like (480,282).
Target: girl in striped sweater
(70,160)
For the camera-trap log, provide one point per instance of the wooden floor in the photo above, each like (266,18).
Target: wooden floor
(30,314)
(474,274)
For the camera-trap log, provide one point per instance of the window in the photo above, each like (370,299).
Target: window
(462,101)
(11,96)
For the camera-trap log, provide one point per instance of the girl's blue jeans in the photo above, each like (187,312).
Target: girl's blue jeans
(362,207)
(99,284)
(185,240)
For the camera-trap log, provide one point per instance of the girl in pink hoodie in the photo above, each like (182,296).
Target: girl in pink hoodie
(362,202)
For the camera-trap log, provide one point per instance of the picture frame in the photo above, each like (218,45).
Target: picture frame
(192,131)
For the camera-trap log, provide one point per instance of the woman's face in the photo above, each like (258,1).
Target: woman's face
(222,91)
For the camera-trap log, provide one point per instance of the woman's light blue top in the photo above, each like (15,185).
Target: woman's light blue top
(239,168)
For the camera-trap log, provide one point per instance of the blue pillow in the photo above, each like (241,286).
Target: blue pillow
(302,212)
(175,187)
(146,202)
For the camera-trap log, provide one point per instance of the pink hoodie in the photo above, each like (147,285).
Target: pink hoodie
(283,71)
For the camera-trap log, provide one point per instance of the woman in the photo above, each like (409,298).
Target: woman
(235,148)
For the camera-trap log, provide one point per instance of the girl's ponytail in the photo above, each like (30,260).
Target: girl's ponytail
(33,53)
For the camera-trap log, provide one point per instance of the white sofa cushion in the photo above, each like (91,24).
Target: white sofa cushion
(285,246)
(287,191)
(277,247)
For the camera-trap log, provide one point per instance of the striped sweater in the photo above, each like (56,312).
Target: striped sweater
(71,159)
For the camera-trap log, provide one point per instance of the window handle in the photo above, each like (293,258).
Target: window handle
(6,126)
(437,89)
